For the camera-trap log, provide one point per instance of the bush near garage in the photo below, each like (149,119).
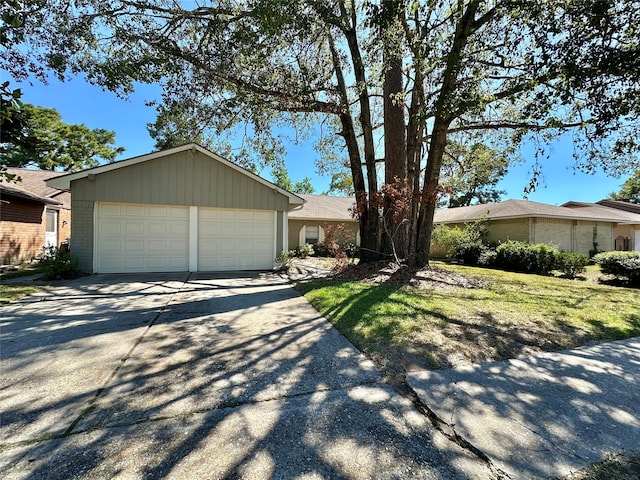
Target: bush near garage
(58,264)
(621,264)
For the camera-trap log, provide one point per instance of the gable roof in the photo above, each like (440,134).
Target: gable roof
(620,205)
(602,210)
(324,207)
(11,190)
(64,181)
(32,186)
(511,209)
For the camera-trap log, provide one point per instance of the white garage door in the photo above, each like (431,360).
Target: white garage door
(142,238)
(235,239)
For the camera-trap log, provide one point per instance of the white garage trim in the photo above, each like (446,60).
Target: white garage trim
(193,239)
(285,232)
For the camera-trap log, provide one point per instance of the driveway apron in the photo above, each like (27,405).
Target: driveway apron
(200,376)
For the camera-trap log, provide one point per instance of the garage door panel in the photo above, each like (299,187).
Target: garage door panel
(142,238)
(157,228)
(110,209)
(131,211)
(134,246)
(235,239)
(228,215)
(158,246)
(111,245)
(111,228)
(132,228)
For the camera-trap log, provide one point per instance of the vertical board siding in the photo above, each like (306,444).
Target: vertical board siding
(81,243)
(183,178)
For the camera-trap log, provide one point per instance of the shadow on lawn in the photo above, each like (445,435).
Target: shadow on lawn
(234,378)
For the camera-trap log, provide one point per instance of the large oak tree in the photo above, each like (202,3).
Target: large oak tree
(420,73)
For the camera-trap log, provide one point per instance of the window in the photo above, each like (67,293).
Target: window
(51,221)
(312,234)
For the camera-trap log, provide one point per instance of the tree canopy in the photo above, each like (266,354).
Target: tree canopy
(281,178)
(46,142)
(630,190)
(470,175)
(420,74)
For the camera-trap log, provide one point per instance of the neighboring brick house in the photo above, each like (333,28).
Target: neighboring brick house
(574,227)
(626,233)
(32,215)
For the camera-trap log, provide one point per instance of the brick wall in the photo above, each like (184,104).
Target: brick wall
(21,231)
(64,226)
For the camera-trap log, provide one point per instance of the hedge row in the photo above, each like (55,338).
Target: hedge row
(621,264)
(541,258)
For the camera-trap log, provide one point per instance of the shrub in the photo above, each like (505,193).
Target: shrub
(487,258)
(571,264)
(620,264)
(469,252)
(284,257)
(445,240)
(352,250)
(460,243)
(58,264)
(305,250)
(523,257)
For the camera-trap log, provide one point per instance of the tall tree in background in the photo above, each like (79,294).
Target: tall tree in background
(281,178)
(46,142)
(630,190)
(175,125)
(508,70)
(470,174)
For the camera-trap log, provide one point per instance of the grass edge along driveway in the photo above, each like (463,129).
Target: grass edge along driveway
(502,315)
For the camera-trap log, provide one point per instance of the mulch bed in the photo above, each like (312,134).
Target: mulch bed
(390,273)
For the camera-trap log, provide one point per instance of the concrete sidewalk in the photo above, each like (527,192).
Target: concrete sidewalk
(545,415)
(200,376)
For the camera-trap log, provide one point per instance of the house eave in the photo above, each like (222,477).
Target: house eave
(533,215)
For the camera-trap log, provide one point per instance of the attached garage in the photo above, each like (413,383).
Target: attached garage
(183,209)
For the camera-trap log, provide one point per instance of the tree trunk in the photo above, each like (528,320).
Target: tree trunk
(370,218)
(429,197)
(395,239)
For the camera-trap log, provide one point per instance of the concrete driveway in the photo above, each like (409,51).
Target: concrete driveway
(200,376)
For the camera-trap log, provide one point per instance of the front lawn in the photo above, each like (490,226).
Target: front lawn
(10,293)
(487,315)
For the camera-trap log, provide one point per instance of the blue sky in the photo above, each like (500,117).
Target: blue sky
(80,102)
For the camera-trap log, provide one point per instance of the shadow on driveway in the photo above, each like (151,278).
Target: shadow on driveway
(200,376)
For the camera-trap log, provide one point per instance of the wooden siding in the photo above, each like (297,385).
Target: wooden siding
(82,233)
(183,178)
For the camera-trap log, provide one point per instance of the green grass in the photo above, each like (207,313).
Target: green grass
(10,293)
(511,314)
(615,467)
(21,271)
